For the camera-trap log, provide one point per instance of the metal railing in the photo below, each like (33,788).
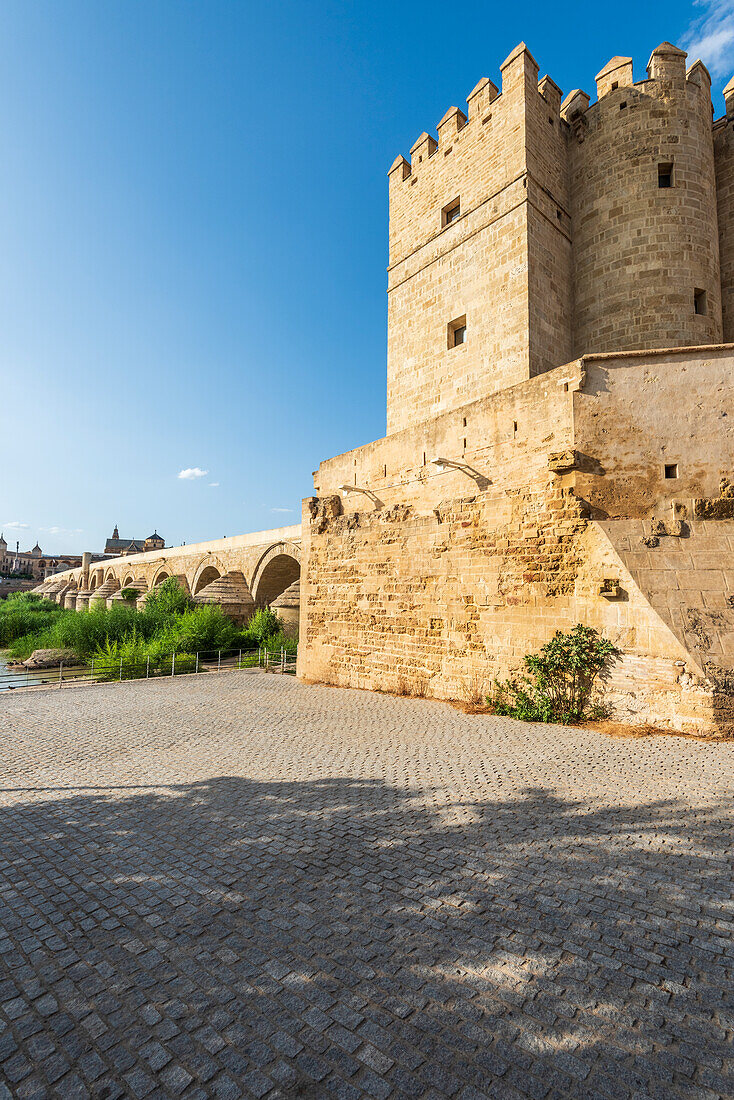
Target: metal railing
(107,669)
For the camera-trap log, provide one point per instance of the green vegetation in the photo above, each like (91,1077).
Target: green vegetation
(170,623)
(22,614)
(130,594)
(562,679)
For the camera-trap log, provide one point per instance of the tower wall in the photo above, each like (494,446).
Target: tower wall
(640,250)
(503,263)
(724,160)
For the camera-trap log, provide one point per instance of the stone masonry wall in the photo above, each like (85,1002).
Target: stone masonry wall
(515,296)
(640,251)
(430,580)
(724,159)
(637,413)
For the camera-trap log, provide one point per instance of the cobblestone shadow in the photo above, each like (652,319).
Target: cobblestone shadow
(345,937)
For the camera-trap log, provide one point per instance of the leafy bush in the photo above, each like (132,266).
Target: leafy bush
(130,594)
(168,598)
(561,681)
(264,624)
(201,628)
(23,614)
(279,641)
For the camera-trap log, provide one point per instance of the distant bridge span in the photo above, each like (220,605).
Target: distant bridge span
(269,562)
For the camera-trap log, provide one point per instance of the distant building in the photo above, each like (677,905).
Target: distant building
(115,547)
(33,562)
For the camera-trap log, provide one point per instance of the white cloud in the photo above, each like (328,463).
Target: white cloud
(281,509)
(16,525)
(191,473)
(62,530)
(710,36)
(213,484)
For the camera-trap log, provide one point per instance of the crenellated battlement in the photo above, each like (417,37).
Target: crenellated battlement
(484,98)
(666,65)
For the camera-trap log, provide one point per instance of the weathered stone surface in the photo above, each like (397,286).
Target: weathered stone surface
(288,608)
(49,658)
(231,594)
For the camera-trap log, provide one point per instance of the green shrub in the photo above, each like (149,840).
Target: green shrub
(130,594)
(167,599)
(561,680)
(201,628)
(263,625)
(23,614)
(279,641)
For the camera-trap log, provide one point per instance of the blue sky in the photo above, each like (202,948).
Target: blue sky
(193,236)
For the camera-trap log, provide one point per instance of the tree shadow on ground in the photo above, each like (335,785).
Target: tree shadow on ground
(347,937)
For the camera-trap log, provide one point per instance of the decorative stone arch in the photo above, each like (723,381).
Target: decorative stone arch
(276,570)
(129,580)
(160,574)
(95,579)
(111,575)
(207,570)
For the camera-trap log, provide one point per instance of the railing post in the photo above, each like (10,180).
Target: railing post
(91,674)
(120,669)
(147,667)
(239,659)
(219,660)
(173,663)
(197,660)
(282,658)
(61,672)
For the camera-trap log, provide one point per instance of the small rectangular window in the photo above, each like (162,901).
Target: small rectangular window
(671,470)
(451,212)
(699,302)
(665,174)
(457,332)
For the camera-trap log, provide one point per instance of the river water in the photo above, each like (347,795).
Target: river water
(10,679)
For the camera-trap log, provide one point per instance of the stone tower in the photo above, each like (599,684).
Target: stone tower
(643,208)
(480,282)
(533,231)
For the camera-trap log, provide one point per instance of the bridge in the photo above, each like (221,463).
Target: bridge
(239,573)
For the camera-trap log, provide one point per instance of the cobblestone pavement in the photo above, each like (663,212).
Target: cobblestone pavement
(239,885)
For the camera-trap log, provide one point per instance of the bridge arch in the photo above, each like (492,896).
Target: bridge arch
(276,570)
(208,569)
(160,576)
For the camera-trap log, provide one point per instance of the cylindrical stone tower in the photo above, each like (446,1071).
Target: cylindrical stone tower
(643,210)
